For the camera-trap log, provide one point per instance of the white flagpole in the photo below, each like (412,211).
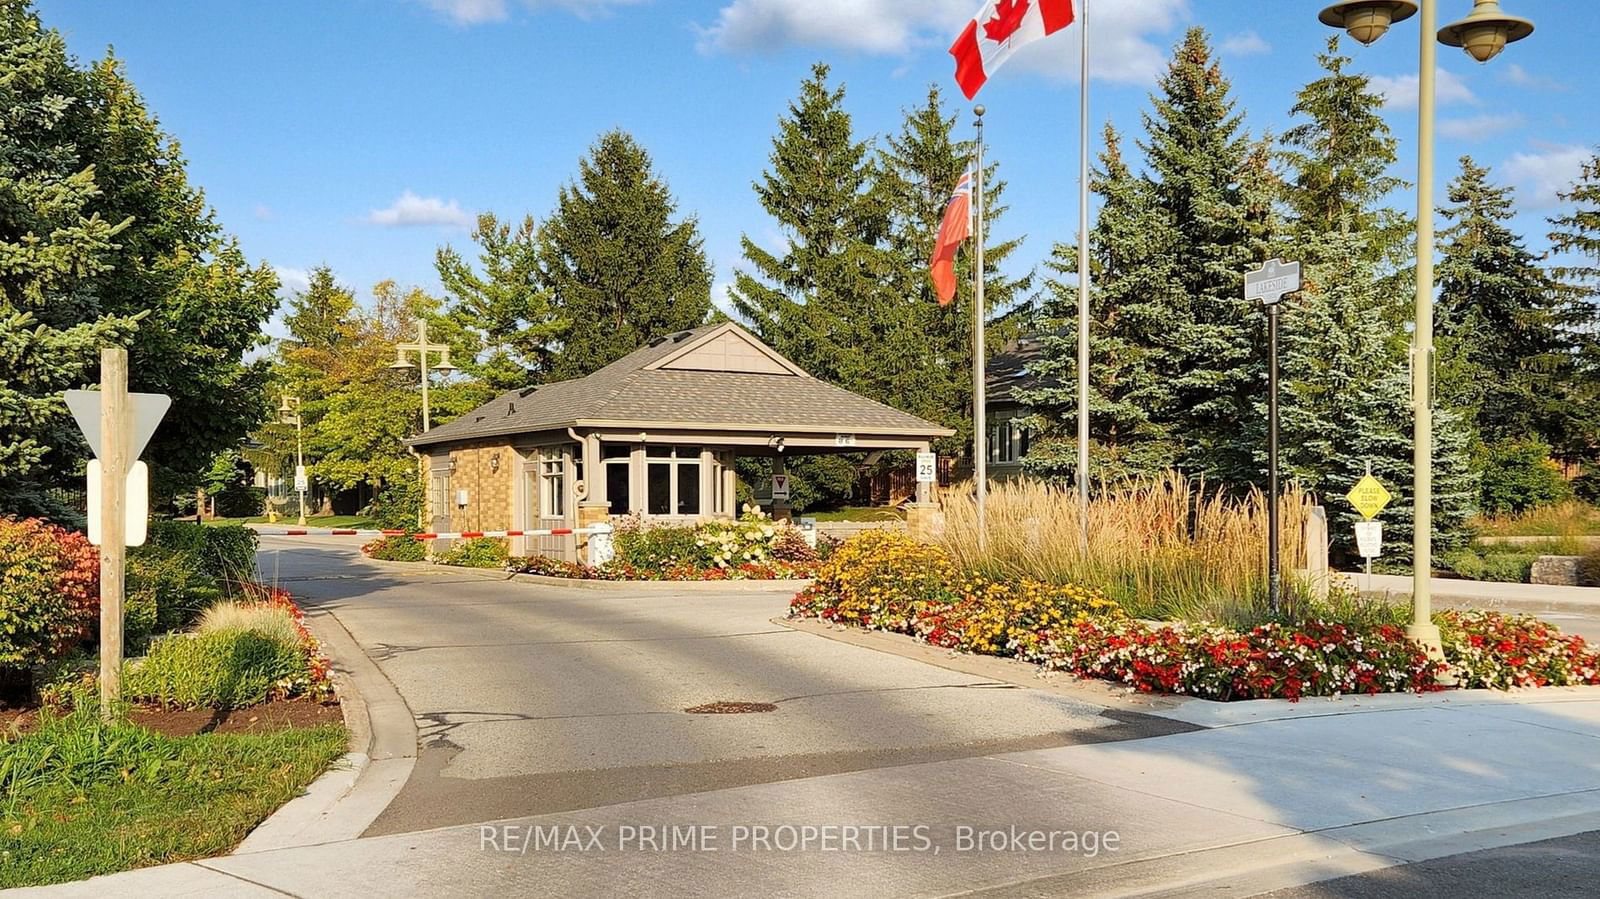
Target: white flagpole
(980,424)
(1083,278)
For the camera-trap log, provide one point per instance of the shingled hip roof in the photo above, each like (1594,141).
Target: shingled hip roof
(671,383)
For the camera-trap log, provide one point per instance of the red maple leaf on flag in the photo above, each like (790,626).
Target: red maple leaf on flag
(1007,19)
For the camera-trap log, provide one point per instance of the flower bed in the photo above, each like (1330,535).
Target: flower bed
(751,548)
(623,571)
(886,581)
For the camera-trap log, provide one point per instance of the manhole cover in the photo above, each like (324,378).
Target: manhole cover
(730,707)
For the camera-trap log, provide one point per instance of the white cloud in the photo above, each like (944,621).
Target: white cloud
(1479,127)
(263,212)
(478,12)
(1516,74)
(1122,50)
(411,210)
(292,280)
(1540,176)
(1400,91)
(1245,43)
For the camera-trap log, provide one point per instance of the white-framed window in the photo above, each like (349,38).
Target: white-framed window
(616,463)
(552,483)
(1009,442)
(672,480)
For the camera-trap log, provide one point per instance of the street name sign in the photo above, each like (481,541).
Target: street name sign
(780,488)
(927,468)
(1272,281)
(1369,497)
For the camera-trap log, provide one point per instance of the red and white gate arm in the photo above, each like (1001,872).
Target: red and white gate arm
(431,535)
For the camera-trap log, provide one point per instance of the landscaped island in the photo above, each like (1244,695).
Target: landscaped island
(227,708)
(1167,598)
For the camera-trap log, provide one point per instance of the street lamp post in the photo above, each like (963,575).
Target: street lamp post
(423,348)
(1483,34)
(289,414)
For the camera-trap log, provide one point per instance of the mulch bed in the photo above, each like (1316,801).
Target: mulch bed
(276,714)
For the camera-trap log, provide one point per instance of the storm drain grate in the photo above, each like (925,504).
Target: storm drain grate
(731,707)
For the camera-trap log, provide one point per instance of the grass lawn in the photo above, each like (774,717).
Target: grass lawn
(314,521)
(857,513)
(78,798)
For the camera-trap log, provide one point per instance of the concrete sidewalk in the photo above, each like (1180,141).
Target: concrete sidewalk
(1255,803)
(1484,594)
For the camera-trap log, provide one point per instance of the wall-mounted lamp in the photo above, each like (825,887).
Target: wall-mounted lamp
(494,462)
(776,443)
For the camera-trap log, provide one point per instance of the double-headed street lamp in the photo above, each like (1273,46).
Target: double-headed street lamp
(289,414)
(1483,34)
(423,348)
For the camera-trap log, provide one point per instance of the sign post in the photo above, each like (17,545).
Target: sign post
(117,425)
(780,488)
(1269,284)
(1369,497)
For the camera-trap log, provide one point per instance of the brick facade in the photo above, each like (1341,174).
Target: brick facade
(487,470)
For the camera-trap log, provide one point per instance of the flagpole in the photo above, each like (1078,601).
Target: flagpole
(980,424)
(1083,279)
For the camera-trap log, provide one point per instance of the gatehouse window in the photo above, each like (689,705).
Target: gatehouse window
(672,480)
(616,460)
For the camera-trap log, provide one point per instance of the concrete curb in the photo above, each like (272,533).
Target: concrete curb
(794,585)
(344,801)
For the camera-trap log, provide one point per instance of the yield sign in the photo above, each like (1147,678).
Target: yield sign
(145,411)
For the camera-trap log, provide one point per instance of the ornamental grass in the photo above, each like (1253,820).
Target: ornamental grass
(1166,547)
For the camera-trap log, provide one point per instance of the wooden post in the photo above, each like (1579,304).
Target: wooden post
(114,463)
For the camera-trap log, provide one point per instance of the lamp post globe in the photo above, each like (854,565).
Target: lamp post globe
(1485,32)
(1367,20)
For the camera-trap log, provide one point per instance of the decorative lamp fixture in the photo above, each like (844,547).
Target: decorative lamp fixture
(1486,32)
(1367,20)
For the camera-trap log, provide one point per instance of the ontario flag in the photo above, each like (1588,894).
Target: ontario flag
(999,30)
(953,231)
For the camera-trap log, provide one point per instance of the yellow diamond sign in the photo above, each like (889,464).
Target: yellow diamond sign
(1369,497)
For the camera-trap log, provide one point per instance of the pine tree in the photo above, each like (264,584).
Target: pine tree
(1131,402)
(1340,161)
(1499,318)
(617,266)
(1576,235)
(106,242)
(1211,190)
(818,299)
(509,316)
(923,351)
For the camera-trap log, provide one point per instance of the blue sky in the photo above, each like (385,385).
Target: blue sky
(365,133)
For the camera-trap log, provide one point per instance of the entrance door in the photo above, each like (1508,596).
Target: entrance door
(439,499)
(548,501)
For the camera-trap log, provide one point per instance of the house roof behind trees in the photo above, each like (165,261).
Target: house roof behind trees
(716,377)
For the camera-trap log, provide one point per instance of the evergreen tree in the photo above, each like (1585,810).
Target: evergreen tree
(1211,191)
(1339,161)
(1131,402)
(819,299)
(509,317)
(923,351)
(1577,236)
(616,265)
(1498,318)
(107,242)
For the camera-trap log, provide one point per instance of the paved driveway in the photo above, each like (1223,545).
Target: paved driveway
(533,699)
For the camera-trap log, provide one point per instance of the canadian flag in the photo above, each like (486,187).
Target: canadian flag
(998,30)
(955,229)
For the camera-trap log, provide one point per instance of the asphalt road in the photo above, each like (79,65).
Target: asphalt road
(1569,866)
(531,699)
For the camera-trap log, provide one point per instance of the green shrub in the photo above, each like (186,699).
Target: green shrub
(1518,475)
(661,547)
(49,591)
(225,669)
(165,592)
(225,553)
(396,506)
(485,552)
(1501,567)
(396,549)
